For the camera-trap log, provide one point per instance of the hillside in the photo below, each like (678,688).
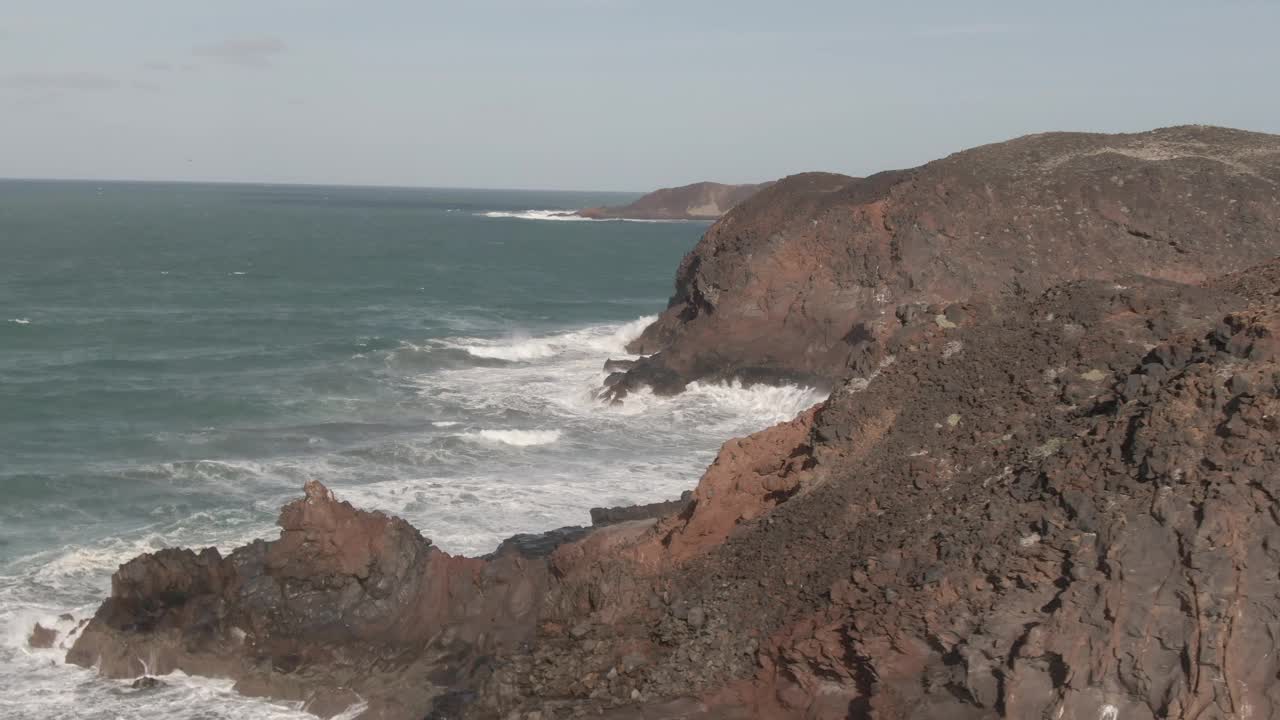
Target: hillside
(794,282)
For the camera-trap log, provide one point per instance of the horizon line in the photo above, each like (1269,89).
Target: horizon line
(333,185)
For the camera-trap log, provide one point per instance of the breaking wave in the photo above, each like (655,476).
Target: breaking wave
(518,438)
(562,216)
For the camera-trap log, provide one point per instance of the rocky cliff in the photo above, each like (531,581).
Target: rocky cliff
(1053,502)
(791,283)
(699,201)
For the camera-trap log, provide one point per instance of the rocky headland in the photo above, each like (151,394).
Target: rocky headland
(1045,483)
(796,282)
(699,201)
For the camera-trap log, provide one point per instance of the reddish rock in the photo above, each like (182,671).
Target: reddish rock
(793,282)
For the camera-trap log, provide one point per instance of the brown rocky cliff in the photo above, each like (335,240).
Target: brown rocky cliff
(789,283)
(699,201)
(1063,508)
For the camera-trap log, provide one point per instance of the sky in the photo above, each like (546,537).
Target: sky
(600,94)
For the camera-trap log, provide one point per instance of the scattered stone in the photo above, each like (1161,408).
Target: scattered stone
(697,618)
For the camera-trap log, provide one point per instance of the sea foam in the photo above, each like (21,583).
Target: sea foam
(518,438)
(562,216)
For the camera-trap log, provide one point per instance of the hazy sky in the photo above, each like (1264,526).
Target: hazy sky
(600,94)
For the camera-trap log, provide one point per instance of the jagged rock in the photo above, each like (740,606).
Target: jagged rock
(42,637)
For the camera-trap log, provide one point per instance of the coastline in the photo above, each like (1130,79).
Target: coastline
(1006,443)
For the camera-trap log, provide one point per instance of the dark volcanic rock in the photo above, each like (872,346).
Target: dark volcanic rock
(1059,508)
(146,682)
(628,513)
(343,599)
(699,201)
(801,278)
(42,638)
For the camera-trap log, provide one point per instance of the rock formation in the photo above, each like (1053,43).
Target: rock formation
(699,201)
(790,283)
(1060,499)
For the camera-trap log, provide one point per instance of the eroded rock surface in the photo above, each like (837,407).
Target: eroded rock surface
(792,282)
(346,604)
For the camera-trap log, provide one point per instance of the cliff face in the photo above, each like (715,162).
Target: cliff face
(791,282)
(1055,502)
(699,201)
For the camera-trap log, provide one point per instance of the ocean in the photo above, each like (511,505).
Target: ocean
(176,360)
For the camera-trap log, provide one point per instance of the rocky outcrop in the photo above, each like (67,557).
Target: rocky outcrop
(699,201)
(345,605)
(1063,508)
(793,282)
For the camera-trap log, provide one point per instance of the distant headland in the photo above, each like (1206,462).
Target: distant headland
(699,201)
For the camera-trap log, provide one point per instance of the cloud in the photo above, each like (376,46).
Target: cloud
(68,80)
(968,29)
(249,52)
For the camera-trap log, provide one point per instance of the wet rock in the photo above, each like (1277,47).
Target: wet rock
(42,637)
(146,682)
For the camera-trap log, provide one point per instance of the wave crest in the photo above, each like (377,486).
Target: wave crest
(562,216)
(517,438)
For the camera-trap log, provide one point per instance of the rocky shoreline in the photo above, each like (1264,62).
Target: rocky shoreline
(1045,483)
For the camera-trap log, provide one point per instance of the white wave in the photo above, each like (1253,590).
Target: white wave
(609,340)
(564,216)
(20,321)
(760,404)
(518,438)
(445,423)
(615,342)
(560,215)
(517,351)
(237,272)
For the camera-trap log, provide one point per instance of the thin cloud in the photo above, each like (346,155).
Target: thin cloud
(158,66)
(69,80)
(249,52)
(968,29)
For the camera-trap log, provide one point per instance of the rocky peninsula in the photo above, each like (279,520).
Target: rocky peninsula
(699,201)
(1045,483)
